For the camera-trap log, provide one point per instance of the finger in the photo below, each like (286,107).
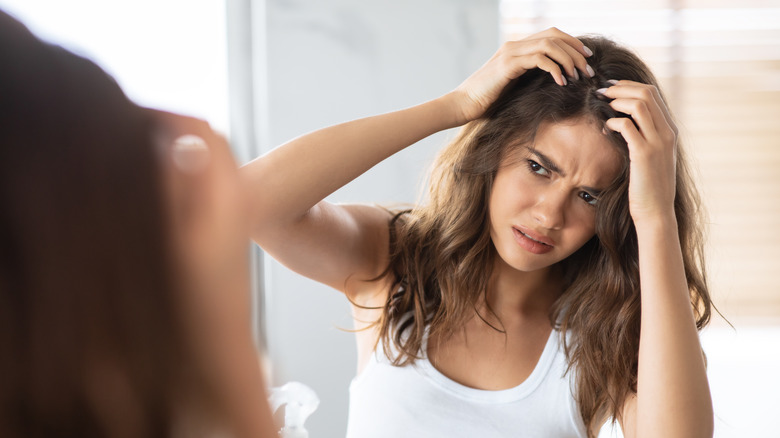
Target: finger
(638,110)
(520,56)
(628,130)
(569,40)
(578,60)
(555,51)
(650,94)
(543,62)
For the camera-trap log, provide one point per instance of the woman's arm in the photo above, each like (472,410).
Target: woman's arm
(320,240)
(333,243)
(673,396)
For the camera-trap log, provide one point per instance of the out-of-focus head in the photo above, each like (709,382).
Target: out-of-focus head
(122,255)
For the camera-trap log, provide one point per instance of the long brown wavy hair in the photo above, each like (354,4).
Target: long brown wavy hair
(442,254)
(93,338)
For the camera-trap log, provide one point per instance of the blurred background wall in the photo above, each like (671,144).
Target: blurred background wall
(264,71)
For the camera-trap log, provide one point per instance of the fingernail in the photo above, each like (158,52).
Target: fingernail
(564,80)
(587,50)
(190,153)
(601,91)
(590,71)
(613,81)
(576,75)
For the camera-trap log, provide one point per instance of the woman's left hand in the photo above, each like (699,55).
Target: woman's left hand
(652,148)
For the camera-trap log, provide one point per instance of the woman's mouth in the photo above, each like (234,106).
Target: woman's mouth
(532,242)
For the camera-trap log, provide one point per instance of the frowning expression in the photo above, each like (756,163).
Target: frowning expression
(545,194)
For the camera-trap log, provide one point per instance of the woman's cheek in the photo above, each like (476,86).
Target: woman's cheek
(587,226)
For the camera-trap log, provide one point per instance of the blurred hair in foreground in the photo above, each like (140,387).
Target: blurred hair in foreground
(95,326)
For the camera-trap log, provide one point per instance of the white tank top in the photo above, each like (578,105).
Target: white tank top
(419,401)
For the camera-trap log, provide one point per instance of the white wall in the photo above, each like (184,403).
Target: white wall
(333,61)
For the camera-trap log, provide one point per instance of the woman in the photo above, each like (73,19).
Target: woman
(553,279)
(123,280)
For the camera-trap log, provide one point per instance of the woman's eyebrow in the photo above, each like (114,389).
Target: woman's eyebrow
(546,161)
(593,191)
(550,164)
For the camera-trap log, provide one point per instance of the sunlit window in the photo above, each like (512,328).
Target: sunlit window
(168,54)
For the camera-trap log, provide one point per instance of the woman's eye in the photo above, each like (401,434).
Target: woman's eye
(587,197)
(537,168)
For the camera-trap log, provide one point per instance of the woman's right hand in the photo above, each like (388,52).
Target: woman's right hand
(547,50)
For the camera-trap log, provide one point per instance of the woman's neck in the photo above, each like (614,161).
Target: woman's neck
(518,294)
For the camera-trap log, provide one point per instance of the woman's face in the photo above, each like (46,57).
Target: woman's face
(543,202)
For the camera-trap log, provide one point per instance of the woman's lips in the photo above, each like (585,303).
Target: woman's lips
(533,242)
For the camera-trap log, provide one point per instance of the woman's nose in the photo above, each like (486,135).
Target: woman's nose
(549,211)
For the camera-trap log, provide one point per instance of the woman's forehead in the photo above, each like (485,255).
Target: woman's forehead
(573,147)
